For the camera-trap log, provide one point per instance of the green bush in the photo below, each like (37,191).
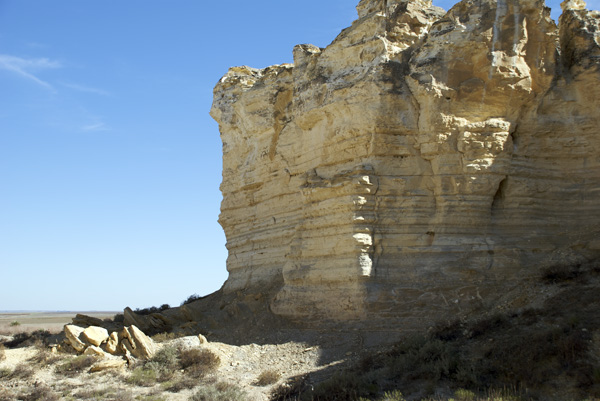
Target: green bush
(143,376)
(15,323)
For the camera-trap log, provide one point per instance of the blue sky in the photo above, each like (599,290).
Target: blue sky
(109,162)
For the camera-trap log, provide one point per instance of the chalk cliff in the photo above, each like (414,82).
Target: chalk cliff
(423,164)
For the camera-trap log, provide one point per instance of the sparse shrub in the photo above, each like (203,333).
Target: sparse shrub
(37,337)
(165,362)
(166,357)
(5,372)
(76,365)
(44,357)
(162,337)
(191,298)
(152,309)
(268,377)
(94,394)
(22,372)
(394,395)
(183,383)
(219,392)
(119,318)
(199,362)
(344,385)
(143,376)
(15,323)
(5,394)
(464,395)
(123,396)
(486,325)
(290,389)
(150,397)
(41,392)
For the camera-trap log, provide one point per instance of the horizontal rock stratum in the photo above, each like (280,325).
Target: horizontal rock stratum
(425,163)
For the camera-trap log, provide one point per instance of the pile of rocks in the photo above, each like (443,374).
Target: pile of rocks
(126,344)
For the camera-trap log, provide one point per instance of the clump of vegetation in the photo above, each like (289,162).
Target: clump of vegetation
(191,298)
(2,352)
(394,395)
(152,309)
(22,372)
(164,363)
(37,338)
(75,365)
(199,362)
(15,323)
(5,394)
(181,383)
(220,392)
(268,377)
(94,393)
(162,337)
(143,376)
(41,392)
(44,357)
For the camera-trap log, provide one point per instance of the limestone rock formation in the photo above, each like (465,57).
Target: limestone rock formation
(96,341)
(421,165)
(95,335)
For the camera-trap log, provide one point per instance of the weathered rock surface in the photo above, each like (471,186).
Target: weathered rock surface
(137,343)
(95,335)
(72,334)
(108,364)
(422,165)
(96,341)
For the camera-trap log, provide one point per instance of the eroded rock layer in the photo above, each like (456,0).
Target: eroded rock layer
(424,163)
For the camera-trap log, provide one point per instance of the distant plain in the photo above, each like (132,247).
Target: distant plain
(17,322)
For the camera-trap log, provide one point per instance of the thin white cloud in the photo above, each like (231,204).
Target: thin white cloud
(95,127)
(27,67)
(86,89)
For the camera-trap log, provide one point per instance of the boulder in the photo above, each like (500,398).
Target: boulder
(112,345)
(93,350)
(108,364)
(137,343)
(95,335)
(73,334)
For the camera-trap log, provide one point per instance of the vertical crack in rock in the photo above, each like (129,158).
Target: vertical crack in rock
(401,136)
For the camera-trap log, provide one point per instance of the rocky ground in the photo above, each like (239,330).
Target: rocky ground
(32,367)
(543,345)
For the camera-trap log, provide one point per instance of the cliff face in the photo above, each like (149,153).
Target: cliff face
(424,163)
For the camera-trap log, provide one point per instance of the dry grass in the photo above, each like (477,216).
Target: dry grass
(22,372)
(75,366)
(40,392)
(199,362)
(143,377)
(219,392)
(268,377)
(2,352)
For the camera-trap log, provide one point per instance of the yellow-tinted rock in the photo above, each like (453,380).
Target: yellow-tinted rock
(421,165)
